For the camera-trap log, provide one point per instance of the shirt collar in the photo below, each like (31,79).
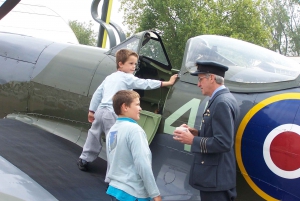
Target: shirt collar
(126,119)
(218,89)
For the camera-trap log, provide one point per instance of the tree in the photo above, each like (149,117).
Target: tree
(284,19)
(180,20)
(84,32)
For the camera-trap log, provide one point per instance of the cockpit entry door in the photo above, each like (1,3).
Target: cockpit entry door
(149,121)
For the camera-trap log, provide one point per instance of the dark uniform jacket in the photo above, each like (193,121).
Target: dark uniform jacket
(214,167)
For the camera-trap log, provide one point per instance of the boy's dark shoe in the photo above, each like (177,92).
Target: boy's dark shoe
(82,164)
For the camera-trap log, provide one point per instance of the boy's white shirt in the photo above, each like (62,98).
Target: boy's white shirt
(129,159)
(115,82)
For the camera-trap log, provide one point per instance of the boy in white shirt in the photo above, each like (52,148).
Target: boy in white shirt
(101,113)
(130,173)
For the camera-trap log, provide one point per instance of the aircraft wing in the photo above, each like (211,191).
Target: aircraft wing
(38,165)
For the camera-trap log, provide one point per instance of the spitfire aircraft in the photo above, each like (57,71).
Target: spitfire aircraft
(45,89)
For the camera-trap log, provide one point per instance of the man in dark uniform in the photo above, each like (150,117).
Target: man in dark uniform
(213,171)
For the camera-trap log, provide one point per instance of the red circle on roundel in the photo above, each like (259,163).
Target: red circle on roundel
(285,151)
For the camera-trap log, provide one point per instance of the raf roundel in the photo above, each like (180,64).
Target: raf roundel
(268,147)
(282,151)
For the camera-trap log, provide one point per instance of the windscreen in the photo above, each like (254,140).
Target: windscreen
(151,47)
(248,63)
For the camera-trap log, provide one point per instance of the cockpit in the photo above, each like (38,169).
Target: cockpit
(248,63)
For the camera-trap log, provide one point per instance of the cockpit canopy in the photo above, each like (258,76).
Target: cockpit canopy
(248,63)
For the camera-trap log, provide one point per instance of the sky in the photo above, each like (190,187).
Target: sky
(79,10)
(40,18)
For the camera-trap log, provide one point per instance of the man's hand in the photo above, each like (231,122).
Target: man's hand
(192,130)
(185,137)
(91,117)
(158,198)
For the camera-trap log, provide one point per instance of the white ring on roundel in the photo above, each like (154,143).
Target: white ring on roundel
(267,155)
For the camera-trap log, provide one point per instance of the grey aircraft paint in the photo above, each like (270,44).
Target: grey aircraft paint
(49,85)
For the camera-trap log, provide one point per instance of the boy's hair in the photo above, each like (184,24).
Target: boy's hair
(122,56)
(123,96)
